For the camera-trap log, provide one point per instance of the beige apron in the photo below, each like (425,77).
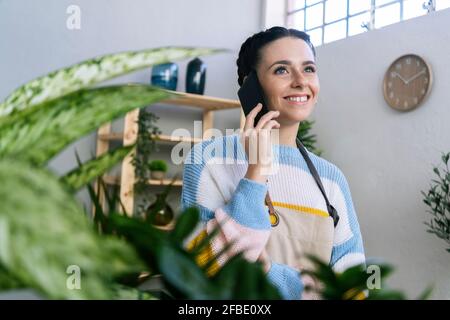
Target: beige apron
(295,234)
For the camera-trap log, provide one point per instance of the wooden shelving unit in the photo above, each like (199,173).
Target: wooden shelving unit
(126,179)
(153,182)
(118,136)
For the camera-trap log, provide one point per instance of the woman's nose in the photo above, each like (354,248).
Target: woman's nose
(298,79)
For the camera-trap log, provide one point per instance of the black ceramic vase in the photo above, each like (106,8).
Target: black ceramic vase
(196,76)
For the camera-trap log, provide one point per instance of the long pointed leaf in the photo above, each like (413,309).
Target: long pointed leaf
(92,71)
(95,197)
(39,135)
(184,274)
(44,231)
(99,215)
(185,224)
(94,168)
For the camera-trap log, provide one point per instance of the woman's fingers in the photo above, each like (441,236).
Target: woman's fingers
(257,140)
(271,124)
(265,118)
(250,119)
(265,260)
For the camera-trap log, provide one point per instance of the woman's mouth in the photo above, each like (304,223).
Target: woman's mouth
(297,100)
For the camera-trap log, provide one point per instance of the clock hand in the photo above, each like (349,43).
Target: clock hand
(415,76)
(398,75)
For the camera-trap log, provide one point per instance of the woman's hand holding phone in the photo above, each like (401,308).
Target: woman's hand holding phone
(258,143)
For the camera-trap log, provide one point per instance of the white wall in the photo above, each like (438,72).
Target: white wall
(388,156)
(273,13)
(35,41)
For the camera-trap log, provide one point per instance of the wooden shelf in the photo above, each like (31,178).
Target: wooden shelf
(153,182)
(127,178)
(200,101)
(165,182)
(118,136)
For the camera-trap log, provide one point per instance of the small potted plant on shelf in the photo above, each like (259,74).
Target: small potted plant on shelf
(158,169)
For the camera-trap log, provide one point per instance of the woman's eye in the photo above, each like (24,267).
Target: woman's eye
(279,68)
(311,68)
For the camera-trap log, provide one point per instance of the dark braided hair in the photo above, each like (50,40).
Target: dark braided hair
(250,53)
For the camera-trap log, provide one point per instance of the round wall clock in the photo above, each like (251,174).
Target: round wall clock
(407,82)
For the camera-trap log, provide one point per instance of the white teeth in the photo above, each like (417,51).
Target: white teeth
(298,99)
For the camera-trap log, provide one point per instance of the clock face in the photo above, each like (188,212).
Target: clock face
(407,82)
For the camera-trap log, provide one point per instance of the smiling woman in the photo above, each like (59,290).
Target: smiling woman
(288,75)
(309,210)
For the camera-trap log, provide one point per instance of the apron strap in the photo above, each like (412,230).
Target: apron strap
(331,210)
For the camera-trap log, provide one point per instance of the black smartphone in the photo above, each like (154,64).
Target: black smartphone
(250,94)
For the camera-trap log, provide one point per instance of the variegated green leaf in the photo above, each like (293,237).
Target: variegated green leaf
(39,133)
(92,71)
(43,232)
(94,168)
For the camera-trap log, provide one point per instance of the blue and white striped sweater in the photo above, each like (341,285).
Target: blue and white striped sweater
(213,180)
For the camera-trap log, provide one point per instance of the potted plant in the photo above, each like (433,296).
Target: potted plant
(307,138)
(158,169)
(359,282)
(438,201)
(44,207)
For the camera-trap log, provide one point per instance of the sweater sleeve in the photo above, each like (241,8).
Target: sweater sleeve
(287,280)
(348,249)
(242,220)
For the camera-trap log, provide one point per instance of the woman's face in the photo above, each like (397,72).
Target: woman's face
(287,74)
